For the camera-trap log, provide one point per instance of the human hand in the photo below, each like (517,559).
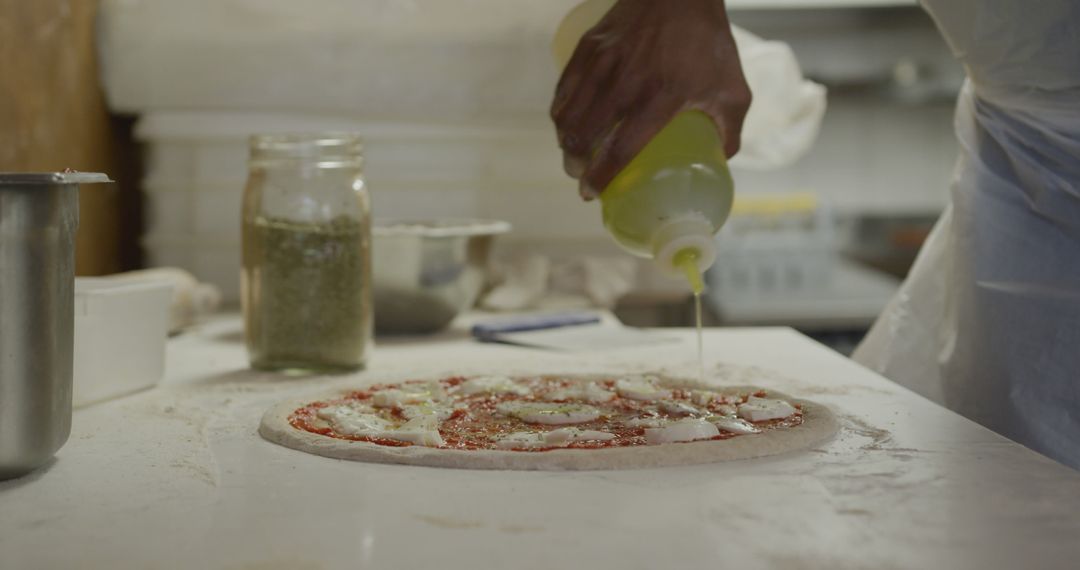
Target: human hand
(642,64)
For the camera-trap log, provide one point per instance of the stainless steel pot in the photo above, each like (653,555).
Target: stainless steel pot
(428,271)
(39,213)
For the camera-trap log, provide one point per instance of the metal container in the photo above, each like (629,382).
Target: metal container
(39,213)
(427,271)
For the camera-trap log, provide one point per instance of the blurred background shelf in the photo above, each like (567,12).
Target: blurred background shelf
(814,4)
(454,109)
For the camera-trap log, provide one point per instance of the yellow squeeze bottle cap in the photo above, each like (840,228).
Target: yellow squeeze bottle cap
(686,260)
(691,231)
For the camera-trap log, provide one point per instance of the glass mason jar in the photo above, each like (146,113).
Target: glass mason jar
(306,281)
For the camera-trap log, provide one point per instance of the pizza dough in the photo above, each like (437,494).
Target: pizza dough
(818,425)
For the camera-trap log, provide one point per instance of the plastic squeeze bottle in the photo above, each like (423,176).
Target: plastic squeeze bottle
(672,198)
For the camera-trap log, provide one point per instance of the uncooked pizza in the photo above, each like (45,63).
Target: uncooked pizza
(548,422)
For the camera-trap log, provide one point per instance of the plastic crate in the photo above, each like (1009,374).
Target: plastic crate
(778,244)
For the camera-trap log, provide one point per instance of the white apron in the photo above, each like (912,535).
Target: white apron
(988,320)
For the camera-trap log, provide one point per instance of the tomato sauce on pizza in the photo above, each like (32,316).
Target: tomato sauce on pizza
(543,413)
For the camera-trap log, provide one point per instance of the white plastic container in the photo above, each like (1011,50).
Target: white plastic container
(191,299)
(120,334)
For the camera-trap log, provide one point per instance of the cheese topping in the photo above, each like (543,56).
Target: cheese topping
(408,394)
(703,397)
(556,438)
(597,393)
(549,413)
(733,425)
(493,385)
(354,406)
(689,429)
(648,422)
(564,436)
(521,440)
(353,420)
(440,411)
(762,409)
(590,392)
(726,410)
(678,408)
(349,420)
(643,389)
(423,430)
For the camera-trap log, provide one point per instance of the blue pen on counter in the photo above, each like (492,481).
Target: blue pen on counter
(489,331)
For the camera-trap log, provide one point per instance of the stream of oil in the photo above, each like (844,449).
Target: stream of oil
(687,261)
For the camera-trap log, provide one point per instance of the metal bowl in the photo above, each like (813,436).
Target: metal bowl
(426,272)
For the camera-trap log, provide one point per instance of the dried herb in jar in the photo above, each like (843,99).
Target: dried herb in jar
(307,301)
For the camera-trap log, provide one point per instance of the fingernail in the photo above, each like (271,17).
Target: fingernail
(587,192)
(574,166)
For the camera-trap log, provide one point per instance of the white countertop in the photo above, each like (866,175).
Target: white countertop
(177,477)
